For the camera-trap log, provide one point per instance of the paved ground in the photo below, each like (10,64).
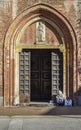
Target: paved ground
(40,118)
(49,110)
(41,123)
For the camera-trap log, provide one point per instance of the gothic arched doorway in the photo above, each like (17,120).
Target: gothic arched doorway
(23,36)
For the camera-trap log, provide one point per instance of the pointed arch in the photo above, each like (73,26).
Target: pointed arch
(65,30)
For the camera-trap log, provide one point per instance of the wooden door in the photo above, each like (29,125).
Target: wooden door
(24,76)
(57,71)
(40,75)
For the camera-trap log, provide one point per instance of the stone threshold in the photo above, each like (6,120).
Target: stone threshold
(36,104)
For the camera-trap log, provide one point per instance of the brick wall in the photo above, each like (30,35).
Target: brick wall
(9,9)
(5,19)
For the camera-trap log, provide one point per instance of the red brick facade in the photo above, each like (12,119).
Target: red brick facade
(17,26)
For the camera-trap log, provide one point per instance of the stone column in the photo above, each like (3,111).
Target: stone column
(63,50)
(16,91)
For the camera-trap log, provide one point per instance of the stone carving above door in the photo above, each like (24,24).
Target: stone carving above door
(40,31)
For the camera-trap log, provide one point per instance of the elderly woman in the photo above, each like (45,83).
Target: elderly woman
(60,98)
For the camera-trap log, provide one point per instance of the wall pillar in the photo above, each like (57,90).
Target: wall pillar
(16,89)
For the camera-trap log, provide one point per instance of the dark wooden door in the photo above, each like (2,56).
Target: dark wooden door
(24,76)
(57,71)
(40,75)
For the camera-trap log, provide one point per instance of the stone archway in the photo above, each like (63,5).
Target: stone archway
(66,36)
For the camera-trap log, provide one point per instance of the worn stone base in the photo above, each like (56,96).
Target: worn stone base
(24,99)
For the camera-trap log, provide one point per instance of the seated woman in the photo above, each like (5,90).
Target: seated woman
(60,98)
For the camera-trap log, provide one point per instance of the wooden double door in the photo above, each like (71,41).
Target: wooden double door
(40,75)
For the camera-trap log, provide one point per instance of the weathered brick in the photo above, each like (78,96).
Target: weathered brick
(69,13)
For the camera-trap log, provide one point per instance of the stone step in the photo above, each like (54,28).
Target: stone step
(36,104)
(39,104)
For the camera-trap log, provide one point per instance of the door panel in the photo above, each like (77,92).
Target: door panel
(40,75)
(57,71)
(35,77)
(24,76)
(45,77)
